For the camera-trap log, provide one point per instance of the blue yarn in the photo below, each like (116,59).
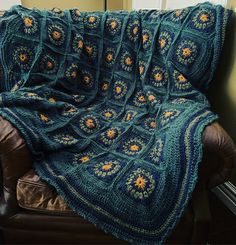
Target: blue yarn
(112,107)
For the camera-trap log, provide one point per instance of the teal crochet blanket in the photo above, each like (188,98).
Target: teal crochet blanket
(112,107)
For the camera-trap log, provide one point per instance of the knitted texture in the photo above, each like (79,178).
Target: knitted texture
(112,107)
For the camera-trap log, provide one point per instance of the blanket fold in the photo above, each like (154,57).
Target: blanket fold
(112,107)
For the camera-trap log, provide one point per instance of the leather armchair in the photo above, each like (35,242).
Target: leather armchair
(24,226)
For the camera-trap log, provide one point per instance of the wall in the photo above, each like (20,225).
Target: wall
(83,5)
(170,4)
(4,5)
(115,5)
(148,4)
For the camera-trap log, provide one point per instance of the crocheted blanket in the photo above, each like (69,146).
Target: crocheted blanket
(112,107)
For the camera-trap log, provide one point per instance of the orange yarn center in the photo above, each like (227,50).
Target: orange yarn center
(28,22)
(140,182)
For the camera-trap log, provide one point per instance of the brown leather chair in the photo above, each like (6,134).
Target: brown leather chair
(47,219)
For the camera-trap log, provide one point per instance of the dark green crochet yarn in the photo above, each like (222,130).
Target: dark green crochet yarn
(112,107)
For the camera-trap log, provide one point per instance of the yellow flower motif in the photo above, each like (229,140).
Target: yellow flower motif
(90,123)
(153,124)
(128,61)
(186,52)
(109,136)
(70,110)
(73,74)
(28,22)
(77,12)
(134,147)
(91,19)
(111,133)
(151,97)
(80,44)
(168,116)
(52,100)
(105,86)
(113,24)
(181,78)
(158,77)
(49,65)
(135,30)
(128,117)
(168,113)
(141,70)
(145,38)
(140,182)
(43,117)
(84,159)
(141,98)
(89,50)
(56,35)
(109,57)
(118,89)
(86,79)
(204,17)
(178,12)
(108,114)
(107,166)
(162,43)
(23,57)
(150,123)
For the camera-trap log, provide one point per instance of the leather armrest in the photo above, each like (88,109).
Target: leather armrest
(15,160)
(219,156)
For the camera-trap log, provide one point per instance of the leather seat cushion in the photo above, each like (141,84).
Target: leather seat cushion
(35,194)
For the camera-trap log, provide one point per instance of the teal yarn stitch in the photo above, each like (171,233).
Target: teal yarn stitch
(112,107)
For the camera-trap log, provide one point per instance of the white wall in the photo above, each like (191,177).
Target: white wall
(6,4)
(146,4)
(170,4)
(175,4)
